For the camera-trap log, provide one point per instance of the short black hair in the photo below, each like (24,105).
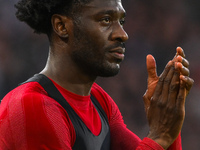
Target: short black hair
(37,13)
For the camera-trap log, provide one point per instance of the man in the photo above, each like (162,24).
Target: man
(86,41)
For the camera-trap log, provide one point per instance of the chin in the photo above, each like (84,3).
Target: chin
(110,71)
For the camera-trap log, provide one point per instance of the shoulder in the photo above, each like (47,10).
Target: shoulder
(29,95)
(27,98)
(24,91)
(30,100)
(96,89)
(35,113)
(100,94)
(104,99)
(22,97)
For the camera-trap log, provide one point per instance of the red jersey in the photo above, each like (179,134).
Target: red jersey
(31,120)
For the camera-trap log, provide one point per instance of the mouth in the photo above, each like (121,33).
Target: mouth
(118,53)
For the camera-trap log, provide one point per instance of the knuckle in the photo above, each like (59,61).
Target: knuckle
(153,100)
(161,104)
(187,71)
(191,81)
(180,113)
(185,62)
(174,87)
(167,81)
(176,73)
(182,86)
(145,97)
(180,98)
(161,79)
(170,108)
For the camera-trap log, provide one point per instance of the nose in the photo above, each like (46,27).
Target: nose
(119,33)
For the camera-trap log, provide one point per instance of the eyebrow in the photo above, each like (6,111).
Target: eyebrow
(111,12)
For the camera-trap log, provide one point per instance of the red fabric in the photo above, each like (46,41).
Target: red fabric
(30,120)
(83,106)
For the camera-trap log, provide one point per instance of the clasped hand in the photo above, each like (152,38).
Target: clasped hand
(165,97)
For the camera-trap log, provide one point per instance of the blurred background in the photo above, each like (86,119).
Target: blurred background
(154,27)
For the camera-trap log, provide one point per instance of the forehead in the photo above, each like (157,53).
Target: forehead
(97,5)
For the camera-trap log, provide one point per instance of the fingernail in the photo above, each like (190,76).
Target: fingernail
(183,77)
(179,58)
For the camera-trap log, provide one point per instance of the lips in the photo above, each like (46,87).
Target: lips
(118,53)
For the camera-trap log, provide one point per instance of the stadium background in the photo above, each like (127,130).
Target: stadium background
(155,27)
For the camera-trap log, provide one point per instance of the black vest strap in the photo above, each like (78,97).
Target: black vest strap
(85,139)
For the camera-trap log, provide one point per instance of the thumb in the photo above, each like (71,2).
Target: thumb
(151,67)
(152,80)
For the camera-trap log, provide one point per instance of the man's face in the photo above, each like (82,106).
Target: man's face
(98,42)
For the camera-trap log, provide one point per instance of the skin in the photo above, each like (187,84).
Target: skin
(93,46)
(101,52)
(165,98)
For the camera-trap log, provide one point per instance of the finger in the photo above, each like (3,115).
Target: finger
(183,61)
(180,51)
(180,101)
(146,102)
(174,89)
(146,98)
(167,85)
(183,70)
(159,86)
(166,70)
(152,78)
(151,67)
(188,82)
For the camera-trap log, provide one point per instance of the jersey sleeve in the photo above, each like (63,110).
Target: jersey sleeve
(121,137)
(32,121)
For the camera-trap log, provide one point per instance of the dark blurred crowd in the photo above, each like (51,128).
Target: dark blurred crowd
(154,27)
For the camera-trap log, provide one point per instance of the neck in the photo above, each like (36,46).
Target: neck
(65,73)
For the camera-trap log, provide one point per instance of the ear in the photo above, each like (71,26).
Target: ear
(60,25)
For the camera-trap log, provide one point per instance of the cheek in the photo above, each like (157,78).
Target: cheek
(91,41)
(99,34)
(95,33)
(100,42)
(97,41)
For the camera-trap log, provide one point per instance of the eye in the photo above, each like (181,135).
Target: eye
(122,21)
(106,20)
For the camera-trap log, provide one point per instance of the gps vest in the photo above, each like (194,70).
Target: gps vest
(85,139)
